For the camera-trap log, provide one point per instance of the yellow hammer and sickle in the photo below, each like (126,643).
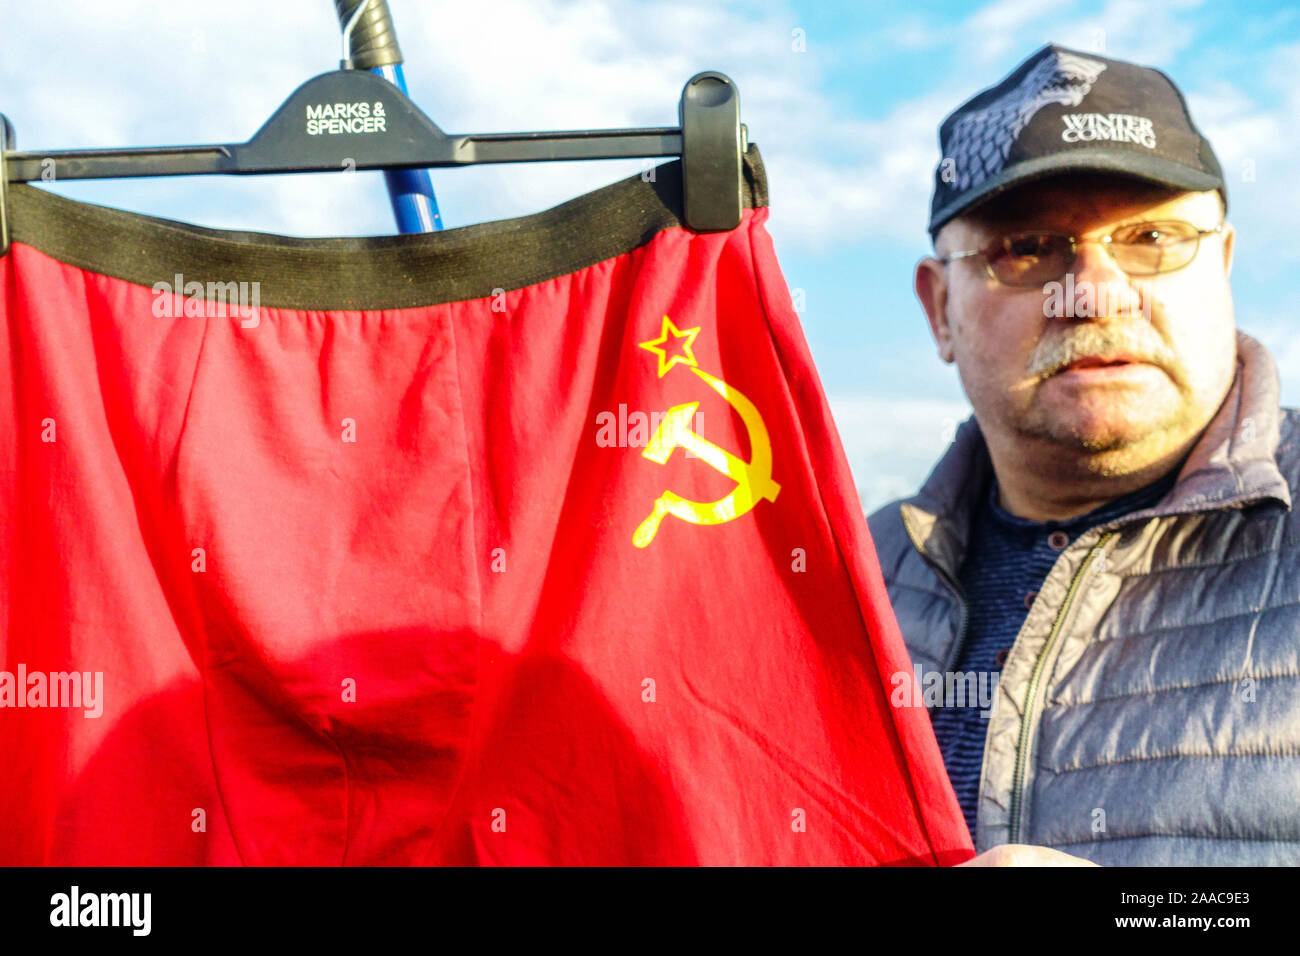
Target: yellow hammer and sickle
(753,478)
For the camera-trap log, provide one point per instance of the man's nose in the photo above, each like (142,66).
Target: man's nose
(1102,290)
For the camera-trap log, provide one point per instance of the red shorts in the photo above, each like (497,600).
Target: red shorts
(527,542)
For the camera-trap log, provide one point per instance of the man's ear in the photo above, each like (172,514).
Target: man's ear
(1229,234)
(931,285)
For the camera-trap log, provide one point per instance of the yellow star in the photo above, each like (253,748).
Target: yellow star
(671,331)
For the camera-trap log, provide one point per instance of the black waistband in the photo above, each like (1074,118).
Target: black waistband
(373,272)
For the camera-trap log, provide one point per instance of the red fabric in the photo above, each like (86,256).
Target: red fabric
(501,710)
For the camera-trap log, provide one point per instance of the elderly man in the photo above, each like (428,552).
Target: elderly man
(1109,543)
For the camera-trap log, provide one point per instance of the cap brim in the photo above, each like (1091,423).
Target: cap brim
(1152,169)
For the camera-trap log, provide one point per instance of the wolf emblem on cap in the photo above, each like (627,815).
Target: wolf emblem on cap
(982,140)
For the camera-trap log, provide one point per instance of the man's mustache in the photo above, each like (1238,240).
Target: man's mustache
(1140,342)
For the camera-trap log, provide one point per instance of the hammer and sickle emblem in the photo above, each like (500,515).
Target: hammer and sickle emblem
(753,478)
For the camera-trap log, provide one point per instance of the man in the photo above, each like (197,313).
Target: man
(1111,536)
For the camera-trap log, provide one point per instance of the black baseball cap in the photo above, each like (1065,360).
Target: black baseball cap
(1065,111)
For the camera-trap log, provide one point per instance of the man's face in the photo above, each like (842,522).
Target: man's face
(1168,340)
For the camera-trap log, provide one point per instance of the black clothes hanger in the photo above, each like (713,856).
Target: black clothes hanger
(353,119)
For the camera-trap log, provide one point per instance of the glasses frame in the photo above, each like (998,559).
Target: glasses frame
(1075,242)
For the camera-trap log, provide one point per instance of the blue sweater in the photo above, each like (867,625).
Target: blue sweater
(1007,560)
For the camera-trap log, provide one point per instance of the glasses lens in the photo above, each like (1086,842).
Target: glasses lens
(1153,247)
(1031,258)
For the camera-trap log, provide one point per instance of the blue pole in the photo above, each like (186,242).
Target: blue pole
(409,190)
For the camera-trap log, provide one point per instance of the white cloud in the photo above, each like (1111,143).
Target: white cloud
(893,443)
(1280,335)
(995,30)
(1134,30)
(1256,143)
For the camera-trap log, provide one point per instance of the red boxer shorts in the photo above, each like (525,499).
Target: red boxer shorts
(530,542)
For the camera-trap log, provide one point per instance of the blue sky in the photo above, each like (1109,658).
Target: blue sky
(847,127)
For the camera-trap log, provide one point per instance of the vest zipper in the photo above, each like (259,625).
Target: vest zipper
(1032,702)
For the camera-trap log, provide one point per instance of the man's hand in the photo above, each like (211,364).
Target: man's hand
(1022,854)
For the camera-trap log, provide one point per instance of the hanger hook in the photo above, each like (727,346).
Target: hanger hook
(346,62)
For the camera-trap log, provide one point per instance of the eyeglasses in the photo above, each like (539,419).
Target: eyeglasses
(1140,249)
